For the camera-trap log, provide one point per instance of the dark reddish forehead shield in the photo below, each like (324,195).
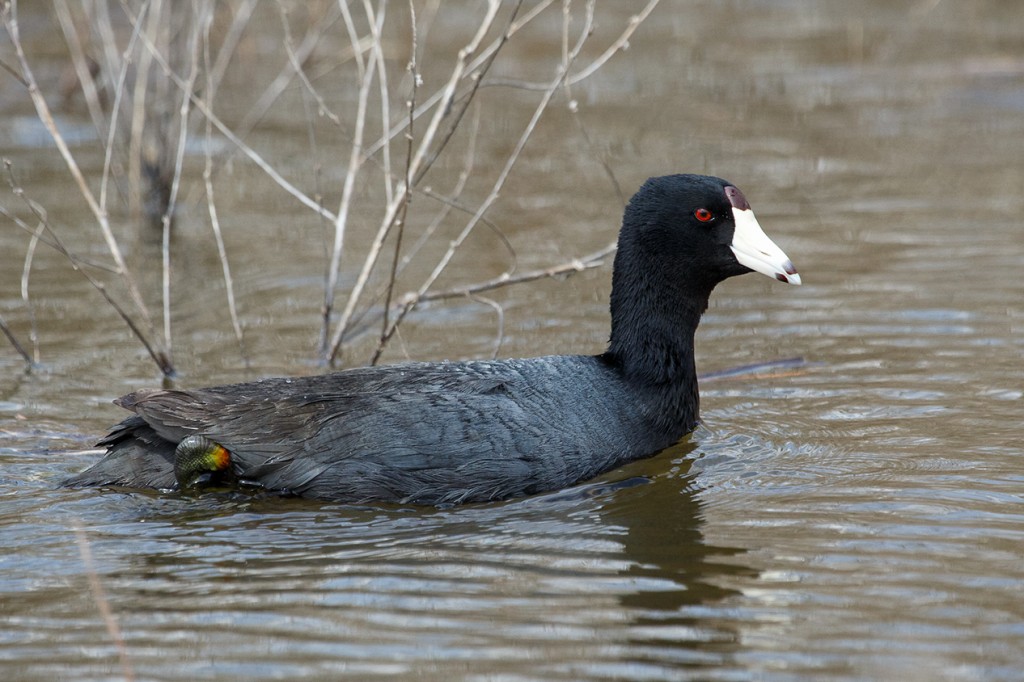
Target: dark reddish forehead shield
(736,198)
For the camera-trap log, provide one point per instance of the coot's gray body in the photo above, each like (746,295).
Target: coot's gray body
(438,433)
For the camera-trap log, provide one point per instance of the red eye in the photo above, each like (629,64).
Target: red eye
(703,215)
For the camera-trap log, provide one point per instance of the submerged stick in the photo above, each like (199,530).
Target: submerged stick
(14,342)
(99,596)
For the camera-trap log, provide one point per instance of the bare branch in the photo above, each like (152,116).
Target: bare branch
(26,272)
(249,152)
(81,66)
(385,99)
(565,269)
(215,73)
(10,19)
(158,356)
(453,124)
(509,163)
(211,207)
(138,102)
(574,109)
(412,299)
(442,93)
(355,162)
(499,336)
(299,71)
(284,78)
(194,18)
(14,342)
(33,232)
(375,293)
(221,250)
(385,333)
(392,209)
(115,113)
(11,70)
(448,203)
(619,44)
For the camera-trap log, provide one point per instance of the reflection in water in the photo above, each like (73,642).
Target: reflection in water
(674,568)
(599,580)
(581,582)
(875,492)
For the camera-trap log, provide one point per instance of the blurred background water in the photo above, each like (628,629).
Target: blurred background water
(858,517)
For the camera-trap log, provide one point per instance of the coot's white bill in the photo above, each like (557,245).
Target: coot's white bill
(754,249)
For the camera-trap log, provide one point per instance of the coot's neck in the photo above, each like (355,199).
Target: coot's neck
(652,340)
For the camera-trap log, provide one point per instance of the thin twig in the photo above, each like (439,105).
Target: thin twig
(565,269)
(482,55)
(26,273)
(299,71)
(466,100)
(505,171)
(33,232)
(619,44)
(448,203)
(224,130)
(229,288)
(80,63)
(239,22)
(10,19)
(451,201)
(139,92)
(161,359)
(574,109)
(427,17)
(284,78)
(454,203)
(109,42)
(448,91)
(355,162)
(412,299)
(316,170)
(403,214)
(11,70)
(499,336)
(255,113)
(211,206)
(179,157)
(392,209)
(385,98)
(14,342)
(102,24)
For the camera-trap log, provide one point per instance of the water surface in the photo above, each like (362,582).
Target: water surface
(858,517)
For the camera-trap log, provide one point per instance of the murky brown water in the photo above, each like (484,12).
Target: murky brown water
(860,518)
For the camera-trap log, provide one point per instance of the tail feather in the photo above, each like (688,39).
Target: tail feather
(137,457)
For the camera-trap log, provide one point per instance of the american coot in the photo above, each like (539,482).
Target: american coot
(451,432)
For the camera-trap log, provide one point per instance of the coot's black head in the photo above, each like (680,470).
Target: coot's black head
(681,235)
(687,233)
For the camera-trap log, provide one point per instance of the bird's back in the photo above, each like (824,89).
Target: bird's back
(425,432)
